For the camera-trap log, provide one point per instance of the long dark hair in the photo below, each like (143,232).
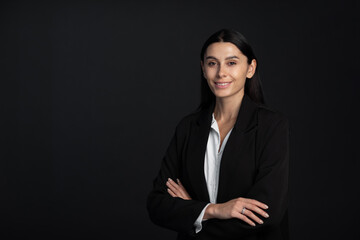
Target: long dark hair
(252,86)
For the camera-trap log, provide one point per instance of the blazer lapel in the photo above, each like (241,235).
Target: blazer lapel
(246,121)
(198,142)
(196,153)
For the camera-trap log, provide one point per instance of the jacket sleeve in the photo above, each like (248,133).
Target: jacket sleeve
(164,210)
(270,185)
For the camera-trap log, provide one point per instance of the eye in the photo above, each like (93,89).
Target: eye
(211,64)
(232,63)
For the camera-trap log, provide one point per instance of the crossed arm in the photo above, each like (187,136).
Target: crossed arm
(241,208)
(172,207)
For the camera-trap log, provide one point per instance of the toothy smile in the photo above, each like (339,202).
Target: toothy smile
(222,84)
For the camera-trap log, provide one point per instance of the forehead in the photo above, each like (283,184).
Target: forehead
(222,50)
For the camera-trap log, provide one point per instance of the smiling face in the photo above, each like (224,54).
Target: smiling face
(226,68)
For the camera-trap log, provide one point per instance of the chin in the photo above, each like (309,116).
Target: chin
(226,94)
(222,95)
(222,92)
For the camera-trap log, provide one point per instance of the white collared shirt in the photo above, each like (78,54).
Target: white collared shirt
(212,166)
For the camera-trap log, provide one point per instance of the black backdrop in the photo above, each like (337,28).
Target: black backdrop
(91,92)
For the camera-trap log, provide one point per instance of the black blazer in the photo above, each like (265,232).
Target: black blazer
(255,164)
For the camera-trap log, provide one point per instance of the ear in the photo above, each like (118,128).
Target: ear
(202,67)
(252,68)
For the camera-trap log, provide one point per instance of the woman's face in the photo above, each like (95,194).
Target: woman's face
(225,68)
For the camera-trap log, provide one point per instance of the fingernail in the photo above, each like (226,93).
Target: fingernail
(266,206)
(253,224)
(261,222)
(177,180)
(266,215)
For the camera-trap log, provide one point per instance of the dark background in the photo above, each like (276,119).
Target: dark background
(91,92)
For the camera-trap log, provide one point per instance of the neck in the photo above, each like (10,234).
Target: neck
(227,109)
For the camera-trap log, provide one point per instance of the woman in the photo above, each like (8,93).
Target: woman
(225,172)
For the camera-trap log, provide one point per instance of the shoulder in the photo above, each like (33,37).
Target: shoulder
(269,117)
(273,125)
(188,120)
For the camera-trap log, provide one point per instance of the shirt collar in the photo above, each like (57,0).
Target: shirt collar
(214,123)
(213,119)
(247,114)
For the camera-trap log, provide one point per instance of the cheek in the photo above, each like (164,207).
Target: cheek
(239,73)
(209,71)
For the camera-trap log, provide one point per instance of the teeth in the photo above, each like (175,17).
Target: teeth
(222,84)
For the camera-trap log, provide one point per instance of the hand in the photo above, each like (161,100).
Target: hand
(177,190)
(233,208)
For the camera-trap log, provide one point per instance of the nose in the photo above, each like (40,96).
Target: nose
(221,71)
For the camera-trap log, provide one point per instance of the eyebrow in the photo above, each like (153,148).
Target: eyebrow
(211,57)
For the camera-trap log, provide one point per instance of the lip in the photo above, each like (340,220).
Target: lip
(223,84)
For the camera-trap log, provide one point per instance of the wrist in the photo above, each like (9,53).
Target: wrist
(210,211)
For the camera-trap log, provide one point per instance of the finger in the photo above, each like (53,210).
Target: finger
(251,215)
(255,202)
(172,188)
(177,189)
(244,218)
(180,189)
(173,184)
(180,184)
(256,209)
(183,188)
(171,193)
